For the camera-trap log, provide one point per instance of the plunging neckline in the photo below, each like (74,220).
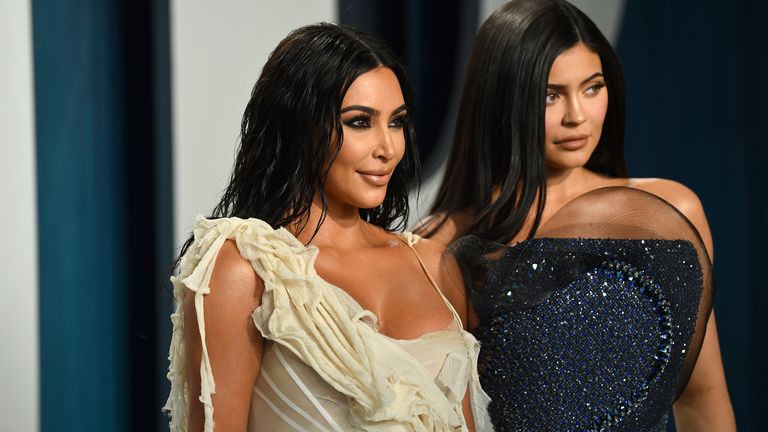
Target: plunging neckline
(315,251)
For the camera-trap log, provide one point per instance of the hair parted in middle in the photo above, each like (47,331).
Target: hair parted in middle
(291,130)
(499,136)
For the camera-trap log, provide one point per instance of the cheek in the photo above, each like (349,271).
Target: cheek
(353,149)
(341,170)
(400,145)
(598,110)
(552,117)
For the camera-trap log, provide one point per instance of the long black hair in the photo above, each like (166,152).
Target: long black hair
(291,130)
(499,137)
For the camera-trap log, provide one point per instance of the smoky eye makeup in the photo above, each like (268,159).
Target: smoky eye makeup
(358,121)
(358,116)
(400,120)
(400,117)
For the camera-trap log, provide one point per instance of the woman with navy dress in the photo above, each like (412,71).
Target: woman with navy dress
(591,291)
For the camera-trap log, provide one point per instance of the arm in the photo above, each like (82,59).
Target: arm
(705,404)
(233,342)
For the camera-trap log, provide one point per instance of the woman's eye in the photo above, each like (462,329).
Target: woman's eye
(551,98)
(359,122)
(399,122)
(595,88)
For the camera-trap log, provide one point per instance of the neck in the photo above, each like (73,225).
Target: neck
(563,184)
(342,227)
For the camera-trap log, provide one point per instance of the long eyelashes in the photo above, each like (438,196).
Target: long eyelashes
(358,122)
(550,98)
(593,90)
(363,121)
(400,121)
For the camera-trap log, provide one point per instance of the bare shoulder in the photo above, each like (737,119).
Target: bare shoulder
(683,199)
(442,229)
(234,283)
(431,252)
(679,195)
(232,342)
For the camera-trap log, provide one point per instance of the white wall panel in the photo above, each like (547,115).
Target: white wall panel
(19,377)
(218,49)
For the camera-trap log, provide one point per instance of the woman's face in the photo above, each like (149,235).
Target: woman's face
(577,100)
(373,114)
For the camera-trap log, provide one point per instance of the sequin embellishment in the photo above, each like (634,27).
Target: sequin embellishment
(637,279)
(582,334)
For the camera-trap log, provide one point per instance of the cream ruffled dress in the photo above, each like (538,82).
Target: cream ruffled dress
(325,366)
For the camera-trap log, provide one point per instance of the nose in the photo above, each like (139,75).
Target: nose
(574,114)
(385,145)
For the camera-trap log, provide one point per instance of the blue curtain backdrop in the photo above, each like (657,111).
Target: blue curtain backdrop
(695,114)
(103,165)
(695,73)
(83,357)
(433,40)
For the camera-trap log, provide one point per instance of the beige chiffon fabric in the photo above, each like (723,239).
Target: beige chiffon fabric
(325,365)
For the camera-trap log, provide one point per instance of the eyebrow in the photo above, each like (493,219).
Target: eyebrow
(371,111)
(590,78)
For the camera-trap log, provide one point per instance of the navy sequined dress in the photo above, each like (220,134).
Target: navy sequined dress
(596,323)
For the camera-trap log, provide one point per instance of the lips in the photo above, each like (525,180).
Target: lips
(574,142)
(376,178)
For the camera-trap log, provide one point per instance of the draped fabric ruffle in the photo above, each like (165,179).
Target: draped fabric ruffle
(387,389)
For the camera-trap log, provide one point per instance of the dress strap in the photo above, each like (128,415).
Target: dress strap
(479,399)
(411,239)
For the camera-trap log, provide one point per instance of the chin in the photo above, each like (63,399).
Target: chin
(369,201)
(569,161)
(370,204)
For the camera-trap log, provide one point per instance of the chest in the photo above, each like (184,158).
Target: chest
(390,282)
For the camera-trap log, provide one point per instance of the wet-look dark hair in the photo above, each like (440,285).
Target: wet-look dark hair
(499,136)
(291,131)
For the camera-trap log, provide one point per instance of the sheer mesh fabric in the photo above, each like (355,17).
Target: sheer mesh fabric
(626,245)
(626,213)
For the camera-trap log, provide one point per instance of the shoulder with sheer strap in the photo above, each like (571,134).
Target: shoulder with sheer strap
(196,269)
(428,252)
(683,199)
